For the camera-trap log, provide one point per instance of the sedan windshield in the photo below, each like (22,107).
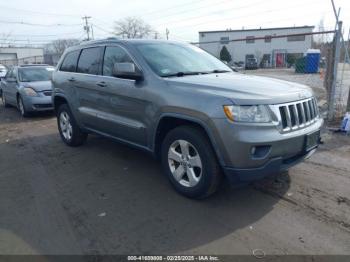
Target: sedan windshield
(172,59)
(34,74)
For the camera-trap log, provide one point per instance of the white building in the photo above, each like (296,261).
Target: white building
(21,55)
(269,51)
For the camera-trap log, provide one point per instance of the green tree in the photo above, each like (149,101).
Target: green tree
(225,55)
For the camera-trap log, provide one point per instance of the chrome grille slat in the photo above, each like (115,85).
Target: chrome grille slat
(296,115)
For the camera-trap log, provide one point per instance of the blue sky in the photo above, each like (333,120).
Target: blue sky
(45,20)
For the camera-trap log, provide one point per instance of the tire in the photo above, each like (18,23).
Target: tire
(178,165)
(21,108)
(4,103)
(68,128)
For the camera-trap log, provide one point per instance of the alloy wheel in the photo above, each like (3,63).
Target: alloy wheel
(66,126)
(185,163)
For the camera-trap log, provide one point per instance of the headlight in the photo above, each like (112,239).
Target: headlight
(252,114)
(30,91)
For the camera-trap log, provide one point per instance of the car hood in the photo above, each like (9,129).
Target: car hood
(38,86)
(243,89)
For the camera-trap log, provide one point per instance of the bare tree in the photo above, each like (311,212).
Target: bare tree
(132,27)
(60,45)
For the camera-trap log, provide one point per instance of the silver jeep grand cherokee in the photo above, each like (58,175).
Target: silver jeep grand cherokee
(185,107)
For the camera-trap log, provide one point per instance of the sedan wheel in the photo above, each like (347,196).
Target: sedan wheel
(185,163)
(21,107)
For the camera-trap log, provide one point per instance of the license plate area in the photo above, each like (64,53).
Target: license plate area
(311,141)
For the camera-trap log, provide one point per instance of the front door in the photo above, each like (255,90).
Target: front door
(279,60)
(123,108)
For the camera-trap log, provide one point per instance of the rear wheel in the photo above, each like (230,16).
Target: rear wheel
(190,162)
(69,130)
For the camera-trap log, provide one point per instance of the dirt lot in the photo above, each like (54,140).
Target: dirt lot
(105,198)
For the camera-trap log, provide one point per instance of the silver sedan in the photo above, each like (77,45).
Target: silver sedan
(28,88)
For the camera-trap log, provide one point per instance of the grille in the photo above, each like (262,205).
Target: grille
(298,114)
(43,105)
(47,93)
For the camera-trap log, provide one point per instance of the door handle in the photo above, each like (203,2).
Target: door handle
(72,79)
(102,84)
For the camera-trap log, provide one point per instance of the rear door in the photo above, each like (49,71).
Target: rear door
(87,85)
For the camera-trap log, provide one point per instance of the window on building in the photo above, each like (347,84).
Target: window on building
(268,38)
(70,61)
(224,40)
(90,61)
(250,39)
(114,54)
(294,38)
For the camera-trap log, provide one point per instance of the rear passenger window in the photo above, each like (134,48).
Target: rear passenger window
(90,61)
(70,62)
(114,54)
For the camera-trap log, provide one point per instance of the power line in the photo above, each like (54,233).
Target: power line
(236,17)
(37,12)
(35,24)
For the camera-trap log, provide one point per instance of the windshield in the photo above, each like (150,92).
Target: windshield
(34,74)
(167,59)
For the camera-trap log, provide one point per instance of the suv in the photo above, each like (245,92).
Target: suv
(185,107)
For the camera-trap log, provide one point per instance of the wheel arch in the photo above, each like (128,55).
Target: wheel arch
(167,122)
(59,100)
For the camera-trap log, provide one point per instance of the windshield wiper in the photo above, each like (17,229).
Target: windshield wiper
(180,74)
(217,71)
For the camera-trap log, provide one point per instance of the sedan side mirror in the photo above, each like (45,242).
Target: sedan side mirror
(127,71)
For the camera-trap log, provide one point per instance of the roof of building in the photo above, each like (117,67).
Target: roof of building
(259,29)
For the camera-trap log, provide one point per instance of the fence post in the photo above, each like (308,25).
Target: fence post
(331,106)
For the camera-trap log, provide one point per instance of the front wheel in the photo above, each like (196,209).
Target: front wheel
(190,162)
(69,130)
(21,107)
(4,102)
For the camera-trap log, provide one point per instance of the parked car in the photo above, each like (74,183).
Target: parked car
(3,71)
(251,63)
(185,107)
(28,88)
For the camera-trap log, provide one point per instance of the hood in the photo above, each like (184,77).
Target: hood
(38,86)
(243,89)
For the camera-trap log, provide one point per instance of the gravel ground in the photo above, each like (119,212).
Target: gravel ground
(105,198)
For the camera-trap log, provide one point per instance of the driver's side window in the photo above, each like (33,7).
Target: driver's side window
(114,54)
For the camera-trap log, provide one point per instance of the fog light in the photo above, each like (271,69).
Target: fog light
(260,152)
(252,151)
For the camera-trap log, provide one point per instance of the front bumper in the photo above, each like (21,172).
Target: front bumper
(272,167)
(275,151)
(37,103)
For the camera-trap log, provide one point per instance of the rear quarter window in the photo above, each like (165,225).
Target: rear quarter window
(70,62)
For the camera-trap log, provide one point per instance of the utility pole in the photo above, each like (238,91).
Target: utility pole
(92,32)
(167,32)
(87,27)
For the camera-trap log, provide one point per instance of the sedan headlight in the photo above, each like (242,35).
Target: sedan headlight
(251,114)
(30,91)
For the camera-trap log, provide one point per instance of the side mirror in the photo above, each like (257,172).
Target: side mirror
(127,71)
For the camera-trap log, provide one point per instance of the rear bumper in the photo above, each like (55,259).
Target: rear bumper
(272,167)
